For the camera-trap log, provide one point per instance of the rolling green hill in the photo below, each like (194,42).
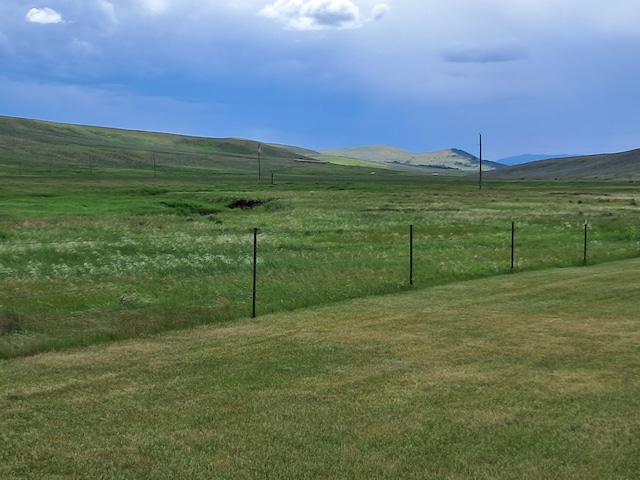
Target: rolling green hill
(36,146)
(589,167)
(33,146)
(30,142)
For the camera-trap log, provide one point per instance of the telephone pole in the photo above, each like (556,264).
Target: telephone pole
(480,175)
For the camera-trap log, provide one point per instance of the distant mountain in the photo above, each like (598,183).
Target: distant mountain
(451,158)
(586,167)
(529,157)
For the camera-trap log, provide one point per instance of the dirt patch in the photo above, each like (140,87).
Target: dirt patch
(244,203)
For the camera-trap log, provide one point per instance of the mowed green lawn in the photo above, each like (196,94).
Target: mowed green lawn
(534,375)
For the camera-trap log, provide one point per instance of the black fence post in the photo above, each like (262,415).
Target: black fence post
(255,272)
(411,255)
(513,245)
(586,240)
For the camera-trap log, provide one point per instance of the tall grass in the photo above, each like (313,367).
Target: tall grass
(92,260)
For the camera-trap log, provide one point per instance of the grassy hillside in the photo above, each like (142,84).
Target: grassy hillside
(624,165)
(356,162)
(529,157)
(34,147)
(303,152)
(530,376)
(441,159)
(26,144)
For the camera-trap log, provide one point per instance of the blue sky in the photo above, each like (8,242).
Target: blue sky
(533,76)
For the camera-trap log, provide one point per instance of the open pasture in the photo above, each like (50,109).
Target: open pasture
(92,259)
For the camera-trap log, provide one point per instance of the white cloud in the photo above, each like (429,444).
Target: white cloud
(43,15)
(319,14)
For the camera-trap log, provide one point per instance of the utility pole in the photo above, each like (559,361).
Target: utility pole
(480,176)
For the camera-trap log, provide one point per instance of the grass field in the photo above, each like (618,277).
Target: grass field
(528,376)
(93,259)
(127,351)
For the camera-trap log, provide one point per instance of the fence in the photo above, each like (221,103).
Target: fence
(86,290)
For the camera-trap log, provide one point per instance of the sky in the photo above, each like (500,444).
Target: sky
(530,76)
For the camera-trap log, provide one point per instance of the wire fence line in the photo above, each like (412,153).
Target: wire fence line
(104,160)
(260,265)
(60,293)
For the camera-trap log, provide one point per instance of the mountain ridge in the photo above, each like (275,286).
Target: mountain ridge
(530,157)
(604,166)
(449,158)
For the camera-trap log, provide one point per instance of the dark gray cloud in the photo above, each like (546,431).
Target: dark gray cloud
(379,11)
(499,51)
(330,15)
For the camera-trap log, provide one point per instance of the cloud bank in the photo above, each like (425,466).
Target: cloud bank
(334,72)
(497,51)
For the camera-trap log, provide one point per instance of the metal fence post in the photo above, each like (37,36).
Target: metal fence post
(255,272)
(586,239)
(513,245)
(411,255)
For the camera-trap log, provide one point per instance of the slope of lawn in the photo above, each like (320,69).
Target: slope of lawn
(533,375)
